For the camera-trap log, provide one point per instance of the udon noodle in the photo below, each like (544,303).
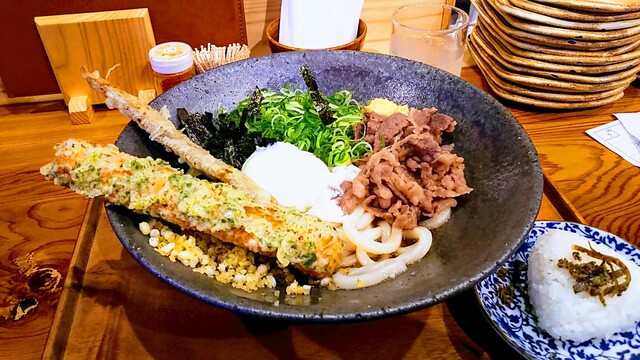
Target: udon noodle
(374,252)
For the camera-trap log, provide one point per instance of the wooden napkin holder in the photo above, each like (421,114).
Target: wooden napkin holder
(98,41)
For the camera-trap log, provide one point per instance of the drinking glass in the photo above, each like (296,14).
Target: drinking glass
(434,34)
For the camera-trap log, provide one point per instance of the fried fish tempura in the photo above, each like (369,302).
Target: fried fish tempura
(151,186)
(162,130)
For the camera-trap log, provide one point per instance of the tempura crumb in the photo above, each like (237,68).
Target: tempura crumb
(145,229)
(296,289)
(227,263)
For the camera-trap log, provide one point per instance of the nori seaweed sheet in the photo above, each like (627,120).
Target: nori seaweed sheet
(226,137)
(322,105)
(226,140)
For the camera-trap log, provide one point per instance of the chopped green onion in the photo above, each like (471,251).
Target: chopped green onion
(290,115)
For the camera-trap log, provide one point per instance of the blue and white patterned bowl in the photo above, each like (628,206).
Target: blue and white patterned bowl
(517,325)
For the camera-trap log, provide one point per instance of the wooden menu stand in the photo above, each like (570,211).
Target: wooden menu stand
(80,110)
(147,95)
(112,42)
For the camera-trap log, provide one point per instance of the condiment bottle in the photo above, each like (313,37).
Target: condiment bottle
(172,63)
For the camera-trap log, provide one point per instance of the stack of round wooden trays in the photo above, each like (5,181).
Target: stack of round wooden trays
(558,54)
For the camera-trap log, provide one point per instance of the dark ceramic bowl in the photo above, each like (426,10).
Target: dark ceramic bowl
(486,227)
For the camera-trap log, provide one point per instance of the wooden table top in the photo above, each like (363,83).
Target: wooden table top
(102,313)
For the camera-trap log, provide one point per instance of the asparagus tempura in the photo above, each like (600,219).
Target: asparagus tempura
(153,187)
(162,130)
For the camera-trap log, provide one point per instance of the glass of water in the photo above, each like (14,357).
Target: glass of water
(434,34)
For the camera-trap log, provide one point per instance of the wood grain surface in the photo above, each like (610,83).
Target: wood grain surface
(45,220)
(600,185)
(37,219)
(112,308)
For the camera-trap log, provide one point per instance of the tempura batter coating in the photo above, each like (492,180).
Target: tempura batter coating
(162,130)
(153,187)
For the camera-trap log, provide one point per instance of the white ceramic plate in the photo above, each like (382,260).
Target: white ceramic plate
(516,324)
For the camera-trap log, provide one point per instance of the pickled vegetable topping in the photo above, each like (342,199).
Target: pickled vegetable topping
(597,279)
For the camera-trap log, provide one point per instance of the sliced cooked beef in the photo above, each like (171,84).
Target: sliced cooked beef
(409,175)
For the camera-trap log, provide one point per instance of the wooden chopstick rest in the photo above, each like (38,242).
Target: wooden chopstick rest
(549,70)
(575,15)
(507,7)
(486,11)
(630,54)
(543,49)
(610,6)
(558,105)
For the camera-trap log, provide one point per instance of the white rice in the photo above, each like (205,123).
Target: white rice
(569,316)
